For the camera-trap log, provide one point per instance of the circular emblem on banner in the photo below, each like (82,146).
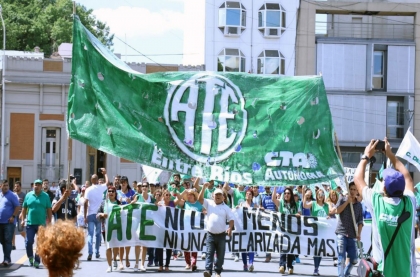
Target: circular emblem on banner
(206,117)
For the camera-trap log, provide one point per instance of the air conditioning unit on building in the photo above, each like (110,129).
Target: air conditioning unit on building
(233,31)
(272,32)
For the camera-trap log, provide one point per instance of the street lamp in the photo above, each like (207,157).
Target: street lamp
(3,96)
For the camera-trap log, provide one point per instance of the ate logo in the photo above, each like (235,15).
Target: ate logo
(206,117)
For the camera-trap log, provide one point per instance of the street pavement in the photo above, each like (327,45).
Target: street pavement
(97,267)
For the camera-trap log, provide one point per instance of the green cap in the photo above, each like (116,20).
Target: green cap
(38,181)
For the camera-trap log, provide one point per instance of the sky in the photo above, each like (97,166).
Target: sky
(154,28)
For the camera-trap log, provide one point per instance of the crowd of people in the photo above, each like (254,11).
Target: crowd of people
(88,207)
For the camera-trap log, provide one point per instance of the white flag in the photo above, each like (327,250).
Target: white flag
(151,174)
(410,150)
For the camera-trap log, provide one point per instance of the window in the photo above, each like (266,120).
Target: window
(395,118)
(271,62)
(231,60)
(232,18)
(272,20)
(378,75)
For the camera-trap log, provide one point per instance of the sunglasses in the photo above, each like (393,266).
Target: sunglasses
(167,195)
(111,191)
(145,186)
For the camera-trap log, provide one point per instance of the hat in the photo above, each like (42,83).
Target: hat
(38,181)
(191,191)
(394,182)
(218,191)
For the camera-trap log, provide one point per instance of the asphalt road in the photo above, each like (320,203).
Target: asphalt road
(97,267)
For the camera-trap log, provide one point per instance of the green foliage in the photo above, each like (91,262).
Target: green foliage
(47,24)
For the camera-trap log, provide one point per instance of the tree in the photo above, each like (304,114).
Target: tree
(47,24)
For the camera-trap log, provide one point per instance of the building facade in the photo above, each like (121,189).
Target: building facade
(251,36)
(37,146)
(366,53)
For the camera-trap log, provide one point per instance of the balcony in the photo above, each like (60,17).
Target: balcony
(395,31)
(52,173)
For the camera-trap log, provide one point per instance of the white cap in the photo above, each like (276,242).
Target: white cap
(218,191)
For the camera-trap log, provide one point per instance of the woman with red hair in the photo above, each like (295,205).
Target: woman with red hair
(59,247)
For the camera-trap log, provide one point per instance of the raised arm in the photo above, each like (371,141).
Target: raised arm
(307,204)
(201,195)
(60,201)
(359,174)
(179,201)
(196,184)
(344,205)
(106,176)
(274,198)
(226,186)
(398,165)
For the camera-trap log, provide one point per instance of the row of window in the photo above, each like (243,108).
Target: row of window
(269,62)
(271,19)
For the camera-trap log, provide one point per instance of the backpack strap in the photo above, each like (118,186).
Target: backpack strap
(403,217)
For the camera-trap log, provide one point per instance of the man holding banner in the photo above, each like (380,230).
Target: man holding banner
(218,213)
(346,232)
(392,214)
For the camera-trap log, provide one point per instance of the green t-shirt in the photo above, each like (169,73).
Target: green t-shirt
(285,208)
(175,190)
(141,199)
(319,211)
(208,194)
(37,206)
(386,216)
(193,206)
(238,197)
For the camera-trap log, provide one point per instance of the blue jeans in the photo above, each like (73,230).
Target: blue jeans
(152,256)
(287,259)
(6,235)
(251,258)
(31,231)
(215,243)
(317,262)
(346,245)
(94,225)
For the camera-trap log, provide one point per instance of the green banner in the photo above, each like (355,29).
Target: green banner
(234,127)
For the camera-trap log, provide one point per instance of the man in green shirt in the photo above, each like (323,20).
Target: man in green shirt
(386,208)
(37,211)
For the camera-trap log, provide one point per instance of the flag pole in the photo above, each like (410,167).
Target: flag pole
(348,191)
(66,206)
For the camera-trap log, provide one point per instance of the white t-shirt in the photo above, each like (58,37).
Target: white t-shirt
(217,215)
(377,250)
(81,214)
(94,194)
(81,203)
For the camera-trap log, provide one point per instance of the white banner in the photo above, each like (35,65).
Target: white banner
(349,174)
(409,150)
(255,231)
